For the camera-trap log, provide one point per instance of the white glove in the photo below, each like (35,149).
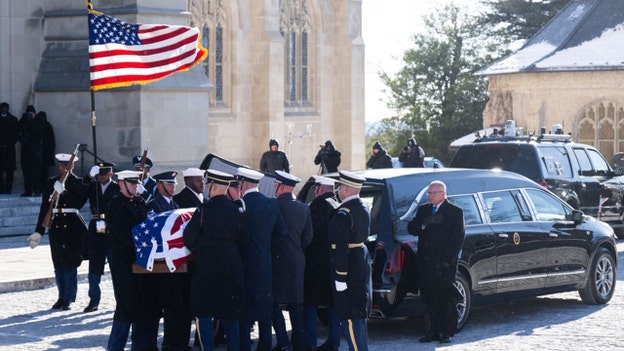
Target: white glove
(100,226)
(94,171)
(340,286)
(34,239)
(59,187)
(141,189)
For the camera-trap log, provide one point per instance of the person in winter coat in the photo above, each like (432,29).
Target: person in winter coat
(412,155)
(274,160)
(379,158)
(328,157)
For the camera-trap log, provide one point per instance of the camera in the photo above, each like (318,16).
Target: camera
(406,148)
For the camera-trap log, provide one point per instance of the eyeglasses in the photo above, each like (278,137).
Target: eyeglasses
(434,192)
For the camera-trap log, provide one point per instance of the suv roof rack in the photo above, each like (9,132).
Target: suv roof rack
(513,134)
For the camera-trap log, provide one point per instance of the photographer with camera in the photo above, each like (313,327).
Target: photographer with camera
(412,155)
(328,157)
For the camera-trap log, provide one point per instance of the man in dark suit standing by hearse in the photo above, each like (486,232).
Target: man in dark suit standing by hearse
(439,226)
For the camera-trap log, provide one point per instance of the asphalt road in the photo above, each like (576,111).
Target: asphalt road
(553,322)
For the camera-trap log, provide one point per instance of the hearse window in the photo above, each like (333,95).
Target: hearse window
(372,197)
(556,161)
(502,207)
(547,207)
(469,205)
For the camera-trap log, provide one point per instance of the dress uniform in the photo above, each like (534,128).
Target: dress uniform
(317,277)
(125,211)
(216,235)
(265,229)
(350,262)
(289,263)
(98,240)
(193,193)
(67,231)
(168,291)
(149,184)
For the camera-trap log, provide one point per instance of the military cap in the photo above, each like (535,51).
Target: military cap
(168,177)
(323,180)
(136,161)
(193,172)
(64,158)
(105,168)
(249,175)
(351,179)
(129,176)
(286,178)
(218,177)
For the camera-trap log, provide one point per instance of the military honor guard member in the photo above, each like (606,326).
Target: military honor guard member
(350,261)
(67,229)
(265,229)
(147,188)
(165,188)
(289,263)
(193,193)
(317,277)
(216,235)
(101,189)
(125,211)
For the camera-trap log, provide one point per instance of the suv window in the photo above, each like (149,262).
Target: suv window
(585,166)
(556,161)
(601,167)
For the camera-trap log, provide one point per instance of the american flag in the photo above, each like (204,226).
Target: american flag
(160,237)
(122,54)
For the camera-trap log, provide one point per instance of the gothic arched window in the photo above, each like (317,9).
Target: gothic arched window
(295,28)
(210,16)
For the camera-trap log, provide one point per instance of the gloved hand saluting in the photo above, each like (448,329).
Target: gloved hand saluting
(59,187)
(141,189)
(34,239)
(94,171)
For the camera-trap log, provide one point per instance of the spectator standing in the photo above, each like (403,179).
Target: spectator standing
(439,226)
(328,157)
(317,281)
(265,230)
(67,230)
(101,189)
(289,263)
(9,134)
(125,211)
(31,138)
(49,146)
(379,158)
(274,160)
(412,155)
(216,235)
(350,261)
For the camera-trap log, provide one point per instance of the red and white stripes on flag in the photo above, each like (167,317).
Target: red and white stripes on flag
(123,54)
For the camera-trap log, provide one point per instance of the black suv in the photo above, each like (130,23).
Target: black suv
(574,172)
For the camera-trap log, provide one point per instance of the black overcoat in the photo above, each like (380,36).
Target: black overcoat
(121,215)
(9,133)
(187,198)
(159,204)
(98,242)
(350,261)
(215,235)
(68,231)
(288,256)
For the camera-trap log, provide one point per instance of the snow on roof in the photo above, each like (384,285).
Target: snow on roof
(585,35)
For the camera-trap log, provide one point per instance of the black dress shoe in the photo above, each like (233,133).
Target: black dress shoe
(57,305)
(65,307)
(429,337)
(90,308)
(327,347)
(446,339)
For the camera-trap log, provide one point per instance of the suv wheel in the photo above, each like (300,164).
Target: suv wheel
(600,283)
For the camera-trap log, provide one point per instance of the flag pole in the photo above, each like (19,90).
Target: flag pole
(93,122)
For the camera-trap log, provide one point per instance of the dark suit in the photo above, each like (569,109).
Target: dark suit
(187,198)
(440,238)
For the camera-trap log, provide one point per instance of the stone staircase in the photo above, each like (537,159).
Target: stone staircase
(18,215)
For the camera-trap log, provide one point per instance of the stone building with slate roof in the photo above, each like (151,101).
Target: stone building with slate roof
(570,73)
